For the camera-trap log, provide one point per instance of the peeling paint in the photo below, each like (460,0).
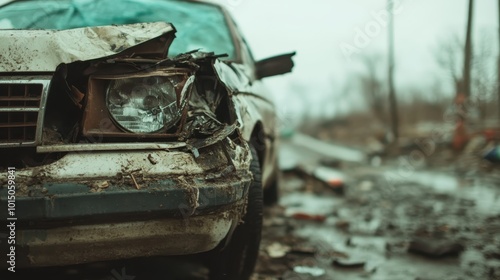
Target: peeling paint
(192,195)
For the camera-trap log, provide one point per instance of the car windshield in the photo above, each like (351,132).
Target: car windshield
(199,26)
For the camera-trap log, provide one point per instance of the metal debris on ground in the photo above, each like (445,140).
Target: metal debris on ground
(303,250)
(277,250)
(493,155)
(347,263)
(314,271)
(309,217)
(435,248)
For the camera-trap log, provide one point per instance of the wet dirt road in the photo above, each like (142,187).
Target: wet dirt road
(391,222)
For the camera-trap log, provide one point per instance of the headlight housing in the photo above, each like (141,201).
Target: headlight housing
(144,104)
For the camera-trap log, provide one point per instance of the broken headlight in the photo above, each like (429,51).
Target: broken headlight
(143,105)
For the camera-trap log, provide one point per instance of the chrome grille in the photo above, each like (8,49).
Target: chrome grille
(21,103)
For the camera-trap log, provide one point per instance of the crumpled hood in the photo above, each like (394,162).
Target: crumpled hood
(44,50)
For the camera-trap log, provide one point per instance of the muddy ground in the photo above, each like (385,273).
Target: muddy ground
(448,229)
(394,221)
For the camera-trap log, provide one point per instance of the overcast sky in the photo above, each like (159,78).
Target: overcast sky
(324,32)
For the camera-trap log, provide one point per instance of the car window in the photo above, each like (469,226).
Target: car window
(199,26)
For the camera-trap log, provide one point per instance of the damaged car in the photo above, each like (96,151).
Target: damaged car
(133,129)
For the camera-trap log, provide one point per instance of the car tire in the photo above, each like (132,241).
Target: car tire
(237,260)
(271,193)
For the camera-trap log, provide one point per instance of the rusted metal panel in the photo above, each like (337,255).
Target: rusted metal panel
(18,53)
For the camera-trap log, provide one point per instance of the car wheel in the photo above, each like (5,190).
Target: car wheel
(237,260)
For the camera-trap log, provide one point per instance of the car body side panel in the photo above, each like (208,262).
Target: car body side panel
(257,97)
(253,110)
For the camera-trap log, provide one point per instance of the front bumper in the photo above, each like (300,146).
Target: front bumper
(111,241)
(97,206)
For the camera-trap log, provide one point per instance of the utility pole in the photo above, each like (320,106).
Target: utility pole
(468,52)
(460,137)
(392,92)
(498,70)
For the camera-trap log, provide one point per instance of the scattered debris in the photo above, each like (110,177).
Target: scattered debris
(333,178)
(314,271)
(329,162)
(492,252)
(309,217)
(493,155)
(435,248)
(396,247)
(349,242)
(152,159)
(348,263)
(217,175)
(137,186)
(99,186)
(329,149)
(376,161)
(342,224)
(375,146)
(366,186)
(274,222)
(277,250)
(373,224)
(303,250)
(337,254)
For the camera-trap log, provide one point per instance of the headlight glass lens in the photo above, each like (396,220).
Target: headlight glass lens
(143,105)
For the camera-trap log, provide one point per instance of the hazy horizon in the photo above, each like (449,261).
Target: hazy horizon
(318,32)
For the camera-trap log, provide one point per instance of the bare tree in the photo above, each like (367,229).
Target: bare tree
(483,80)
(448,57)
(372,86)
